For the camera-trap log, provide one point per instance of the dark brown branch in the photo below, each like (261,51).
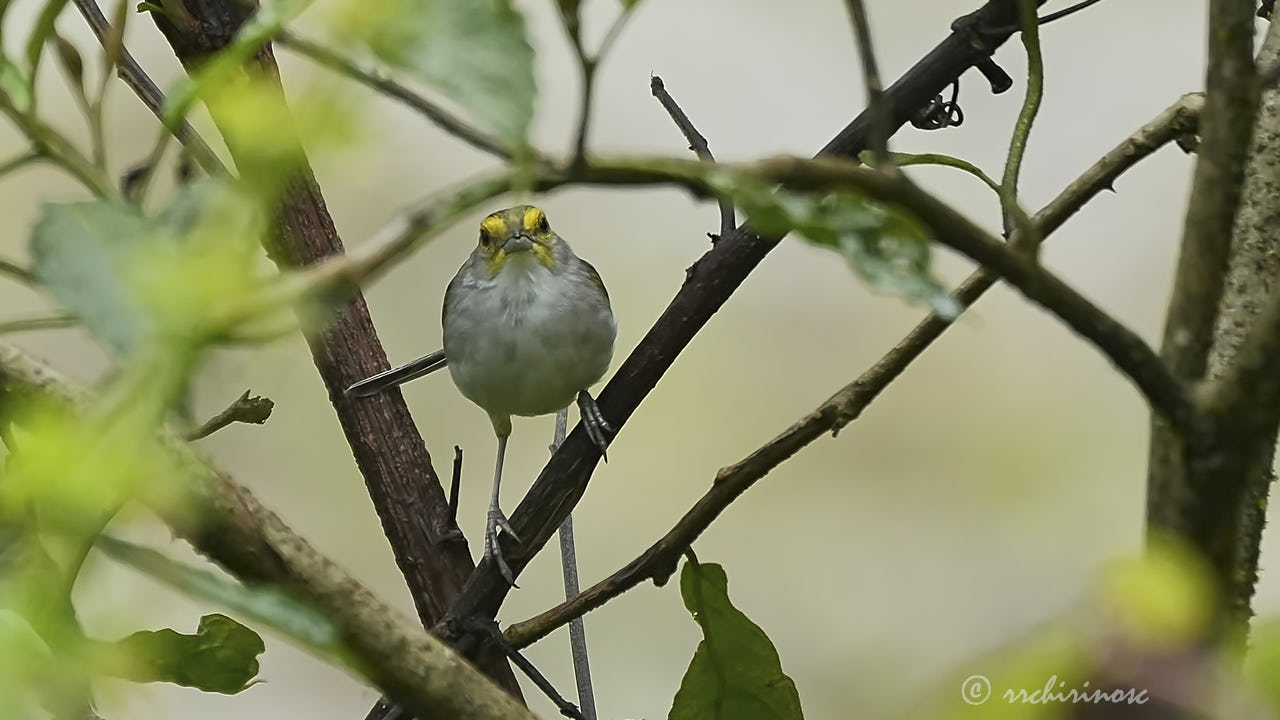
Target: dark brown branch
(388,449)
(697,143)
(145,88)
(659,560)
(708,284)
(252,409)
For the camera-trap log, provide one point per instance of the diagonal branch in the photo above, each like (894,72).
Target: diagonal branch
(379,82)
(429,549)
(697,143)
(659,560)
(710,281)
(145,88)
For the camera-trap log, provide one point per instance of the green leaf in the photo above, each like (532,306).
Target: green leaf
(132,280)
(15,86)
(44,27)
(735,673)
(82,252)
(886,247)
(221,657)
(475,51)
(264,606)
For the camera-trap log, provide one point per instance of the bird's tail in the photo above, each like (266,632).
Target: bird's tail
(398,375)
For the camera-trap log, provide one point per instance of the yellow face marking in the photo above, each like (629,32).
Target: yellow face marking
(495,226)
(533,217)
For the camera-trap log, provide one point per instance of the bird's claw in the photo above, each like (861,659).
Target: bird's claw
(497,521)
(598,429)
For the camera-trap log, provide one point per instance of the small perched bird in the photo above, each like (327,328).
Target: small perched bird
(527,328)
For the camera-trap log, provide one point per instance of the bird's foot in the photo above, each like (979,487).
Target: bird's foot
(598,429)
(497,521)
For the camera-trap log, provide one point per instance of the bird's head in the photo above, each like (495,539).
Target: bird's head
(520,232)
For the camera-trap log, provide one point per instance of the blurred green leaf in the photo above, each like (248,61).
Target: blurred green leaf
(221,657)
(628,4)
(475,51)
(81,253)
(40,34)
(132,279)
(14,85)
(886,247)
(265,606)
(735,673)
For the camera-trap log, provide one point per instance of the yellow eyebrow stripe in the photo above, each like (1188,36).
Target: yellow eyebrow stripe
(532,217)
(495,226)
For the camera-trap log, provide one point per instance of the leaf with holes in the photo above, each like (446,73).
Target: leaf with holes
(886,247)
(221,657)
(735,673)
(475,51)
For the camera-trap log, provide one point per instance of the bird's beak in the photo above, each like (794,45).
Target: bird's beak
(518,243)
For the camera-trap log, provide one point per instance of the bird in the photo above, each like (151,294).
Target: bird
(528,329)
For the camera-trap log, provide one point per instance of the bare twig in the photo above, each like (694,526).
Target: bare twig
(17,272)
(145,88)
(879,138)
(846,405)
(247,408)
(53,322)
(378,81)
(569,568)
(697,143)
(455,484)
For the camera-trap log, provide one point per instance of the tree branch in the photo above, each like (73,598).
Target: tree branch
(1230,105)
(879,137)
(659,560)
(708,284)
(429,549)
(52,322)
(252,409)
(233,529)
(697,143)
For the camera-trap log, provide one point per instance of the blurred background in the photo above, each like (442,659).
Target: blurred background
(977,498)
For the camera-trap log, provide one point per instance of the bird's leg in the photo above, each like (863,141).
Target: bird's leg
(497,520)
(598,429)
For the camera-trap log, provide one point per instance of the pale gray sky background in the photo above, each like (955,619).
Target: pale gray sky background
(977,498)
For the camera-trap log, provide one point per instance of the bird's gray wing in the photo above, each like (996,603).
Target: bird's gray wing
(398,375)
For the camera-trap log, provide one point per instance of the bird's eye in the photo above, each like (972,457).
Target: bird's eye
(484,238)
(543,225)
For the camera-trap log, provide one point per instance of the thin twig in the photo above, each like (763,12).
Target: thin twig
(142,85)
(879,138)
(53,322)
(18,162)
(907,159)
(455,485)
(378,81)
(489,630)
(247,408)
(697,143)
(659,560)
(18,272)
(569,568)
(1014,215)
